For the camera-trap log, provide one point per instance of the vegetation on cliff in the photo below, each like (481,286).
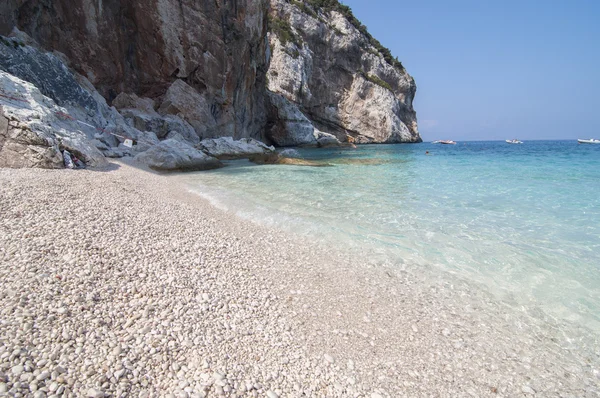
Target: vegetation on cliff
(282,30)
(312,7)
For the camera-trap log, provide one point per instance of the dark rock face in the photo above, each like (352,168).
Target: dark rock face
(143,46)
(45,71)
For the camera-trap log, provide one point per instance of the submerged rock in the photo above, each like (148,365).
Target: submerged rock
(326,140)
(290,153)
(275,158)
(228,148)
(170,155)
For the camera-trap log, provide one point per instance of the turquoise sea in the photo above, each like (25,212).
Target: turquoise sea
(521,221)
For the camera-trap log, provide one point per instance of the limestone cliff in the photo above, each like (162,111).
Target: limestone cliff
(214,48)
(186,70)
(326,71)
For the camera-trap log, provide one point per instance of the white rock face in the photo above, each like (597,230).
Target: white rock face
(66,111)
(335,77)
(172,154)
(374,109)
(227,148)
(31,132)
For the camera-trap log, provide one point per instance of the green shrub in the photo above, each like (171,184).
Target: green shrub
(11,42)
(283,30)
(346,11)
(336,30)
(305,9)
(376,79)
(294,53)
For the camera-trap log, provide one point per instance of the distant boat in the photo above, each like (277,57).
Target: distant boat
(515,141)
(448,142)
(435,142)
(590,141)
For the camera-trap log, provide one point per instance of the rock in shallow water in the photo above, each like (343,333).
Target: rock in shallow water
(227,148)
(176,155)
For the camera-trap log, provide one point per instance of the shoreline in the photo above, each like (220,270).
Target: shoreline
(162,293)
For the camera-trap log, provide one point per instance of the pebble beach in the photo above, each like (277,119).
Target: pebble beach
(121,283)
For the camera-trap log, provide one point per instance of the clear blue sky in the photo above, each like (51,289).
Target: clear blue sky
(496,69)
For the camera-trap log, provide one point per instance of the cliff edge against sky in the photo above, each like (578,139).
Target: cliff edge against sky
(286,73)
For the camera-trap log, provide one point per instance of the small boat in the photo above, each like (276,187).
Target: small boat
(448,142)
(590,141)
(435,142)
(515,141)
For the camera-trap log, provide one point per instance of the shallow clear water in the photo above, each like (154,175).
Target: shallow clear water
(523,221)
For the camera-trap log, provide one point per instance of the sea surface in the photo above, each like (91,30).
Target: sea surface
(520,221)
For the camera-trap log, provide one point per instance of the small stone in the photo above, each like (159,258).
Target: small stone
(350,364)
(375,395)
(415,328)
(17,370)
(3,388)
(271,394)
(93,393)
(328,358)
(527,390)
(43,376)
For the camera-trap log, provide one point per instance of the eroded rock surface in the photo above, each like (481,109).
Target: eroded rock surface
(143,47)
(32,134)
(171,155)
(188,71)
(21,147)
(323,65)
(227,148)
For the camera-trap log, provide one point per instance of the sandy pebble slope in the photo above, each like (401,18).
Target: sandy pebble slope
(120,283)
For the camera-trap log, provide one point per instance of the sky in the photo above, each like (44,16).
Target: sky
(495,70)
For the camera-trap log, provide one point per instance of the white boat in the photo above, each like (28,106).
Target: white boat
(515,141)
(435,142)
(447,142)
(590,141)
